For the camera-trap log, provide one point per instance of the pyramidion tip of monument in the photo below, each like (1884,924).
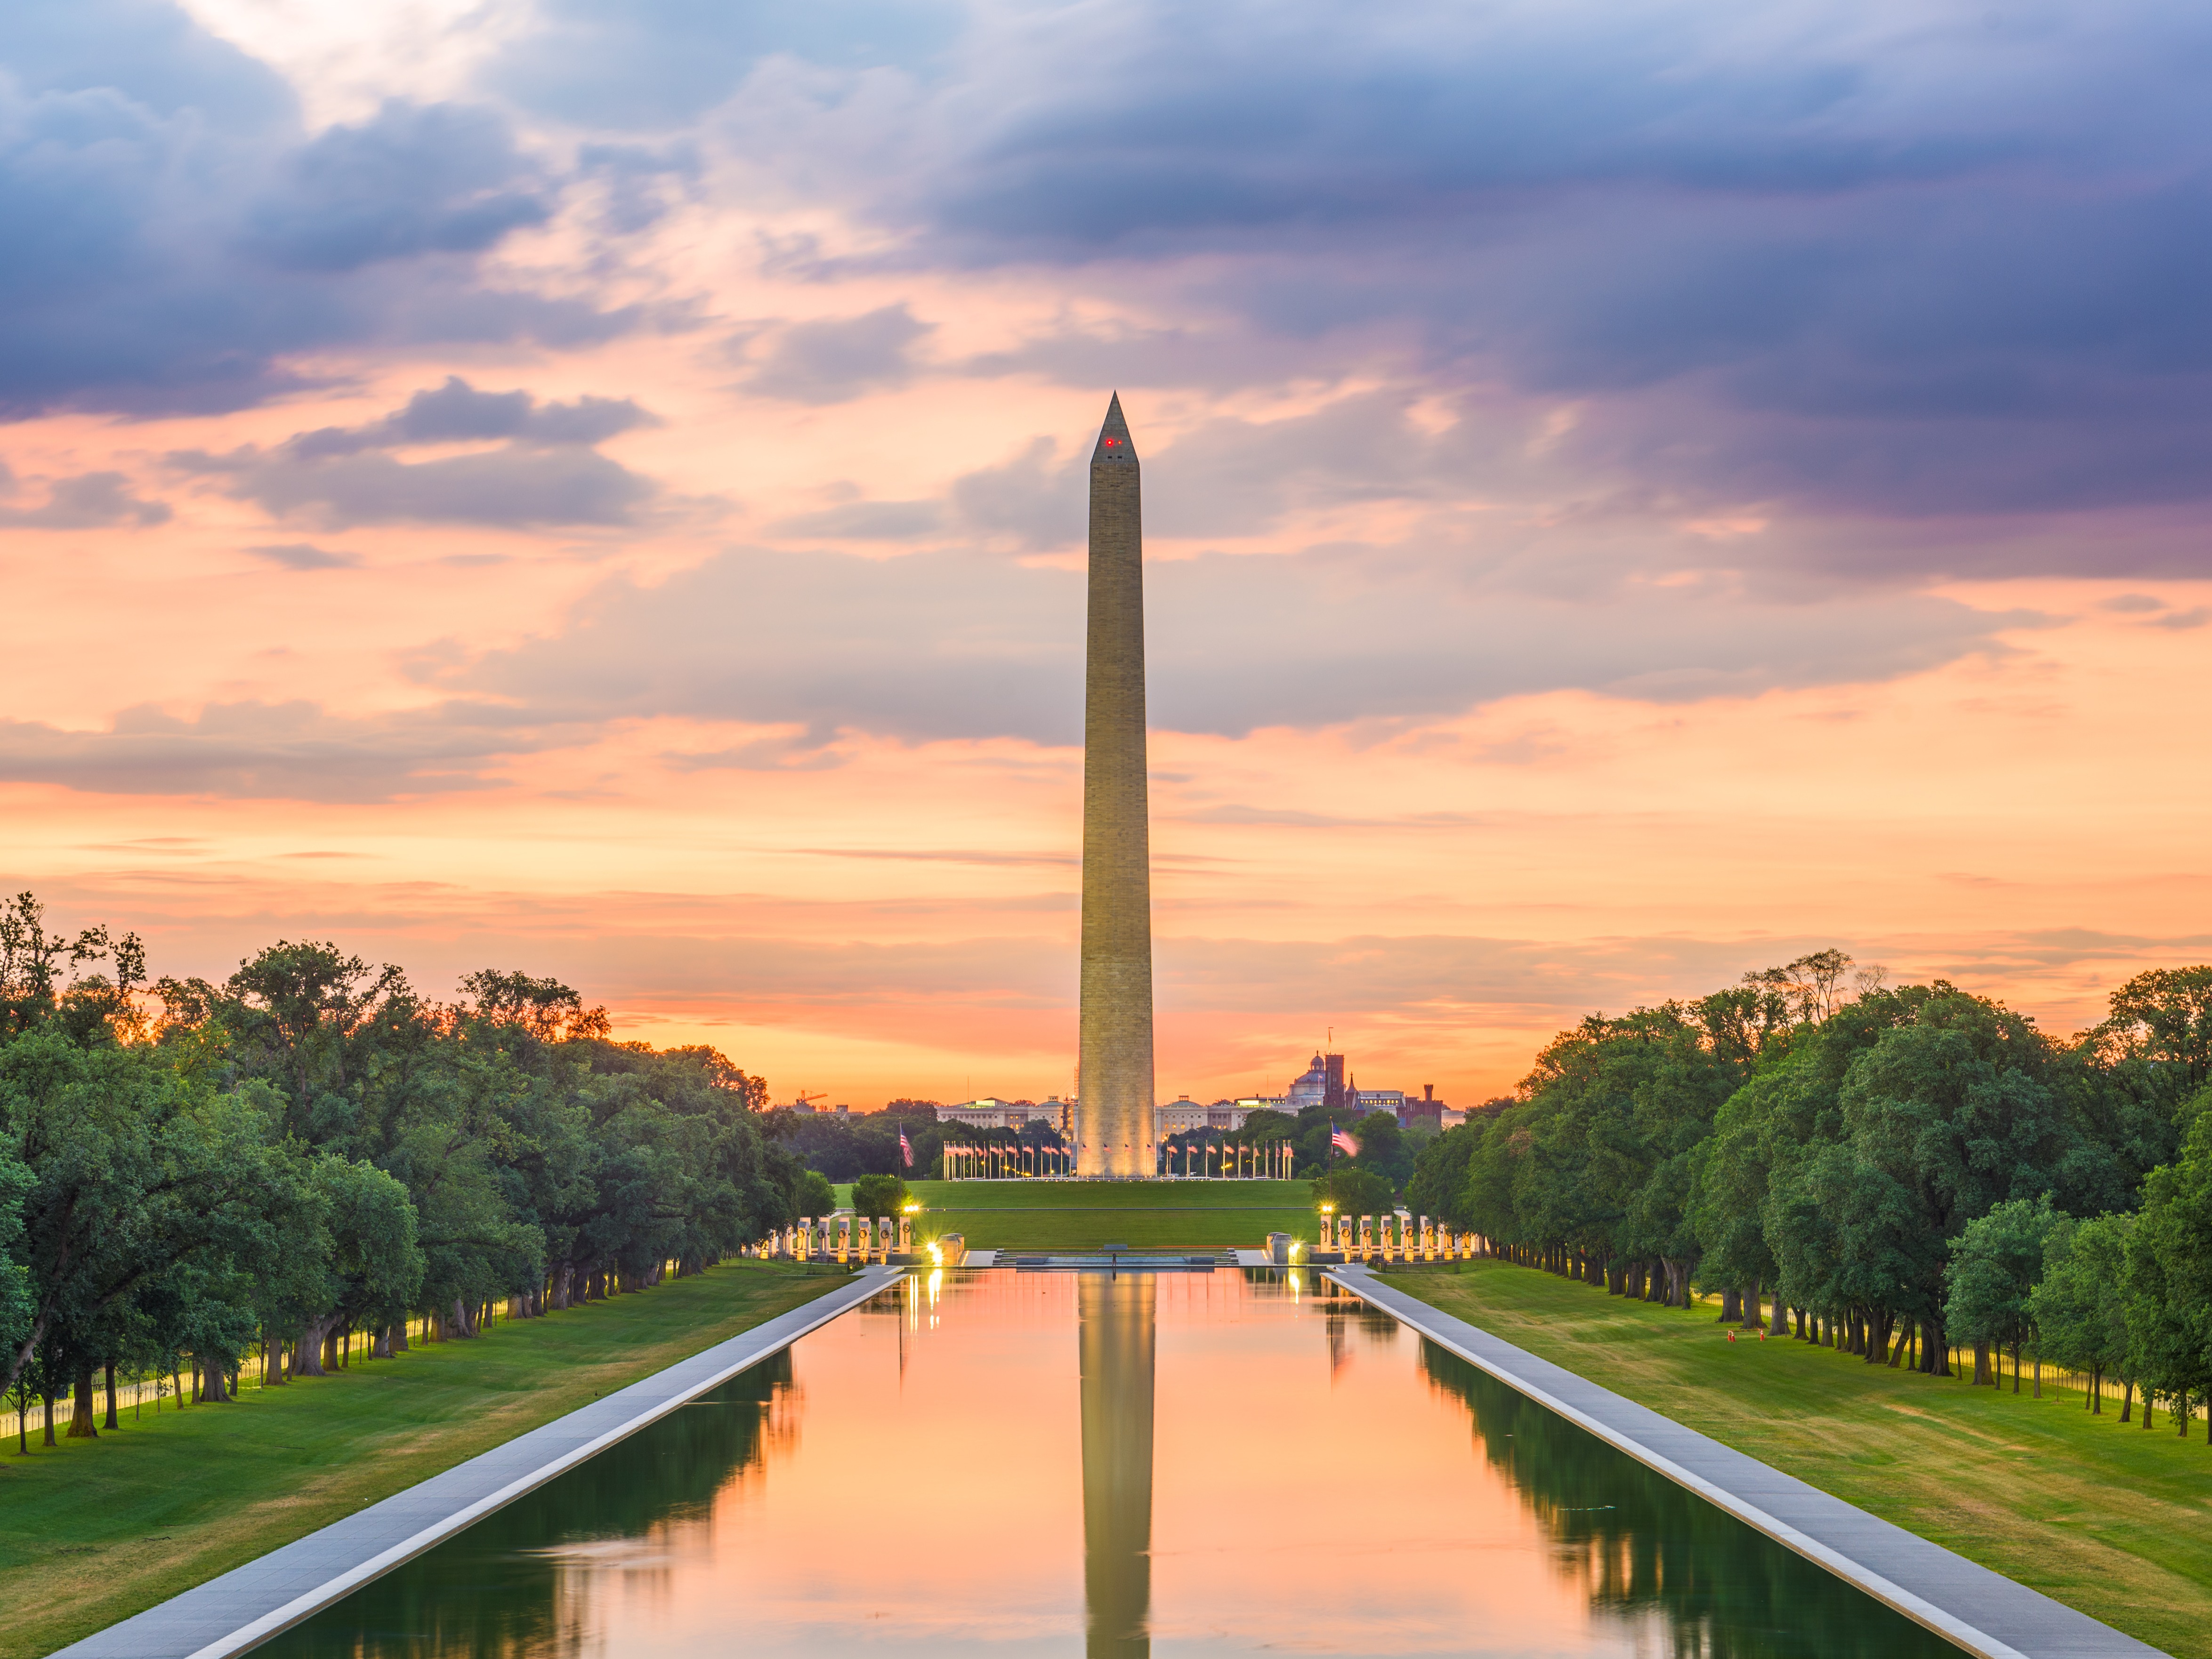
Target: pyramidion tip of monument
(1114,443)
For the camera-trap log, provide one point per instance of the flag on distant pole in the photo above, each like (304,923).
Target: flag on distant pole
(1344,1143)
(906,1149)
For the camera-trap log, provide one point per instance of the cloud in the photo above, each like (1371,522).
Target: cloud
(150,51)
(865,521)
(920,647)
(176,236)
(257,750)
(512,488)
(414,179)
(2196,617)
(2131,603)
(951,645)
(1031,500)
(546,473)
(836,361)
(88,500)
(457,413)
(300,555)
(1894,262)
(654,63)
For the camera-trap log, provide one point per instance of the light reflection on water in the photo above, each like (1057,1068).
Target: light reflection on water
(1052,1462)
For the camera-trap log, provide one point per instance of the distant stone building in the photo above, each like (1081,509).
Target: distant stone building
(1185,1114)
(1321,1085)
(1430,1110)
(991,1113)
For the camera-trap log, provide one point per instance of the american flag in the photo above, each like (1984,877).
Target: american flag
(1344,1143)
(906,1149)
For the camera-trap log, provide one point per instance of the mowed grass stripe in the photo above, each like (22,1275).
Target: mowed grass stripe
(2108,1519)
(94,1531)
(1082,1215)
(1106,1194)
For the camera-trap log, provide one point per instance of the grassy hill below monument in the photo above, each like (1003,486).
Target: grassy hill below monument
(1082,1215)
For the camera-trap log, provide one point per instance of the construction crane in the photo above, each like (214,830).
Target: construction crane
(805,1101)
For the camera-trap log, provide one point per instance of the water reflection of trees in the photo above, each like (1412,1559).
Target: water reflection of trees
(1644,1548)
(502,1589)
(1343,1313)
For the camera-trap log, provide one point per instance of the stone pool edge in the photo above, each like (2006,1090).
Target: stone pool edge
(238,1610)
(1966,1603)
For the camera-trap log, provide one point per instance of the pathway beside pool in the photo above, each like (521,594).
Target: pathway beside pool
(249,1604)
(1981,1611)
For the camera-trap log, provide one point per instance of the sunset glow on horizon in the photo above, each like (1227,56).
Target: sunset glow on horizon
(1632,496)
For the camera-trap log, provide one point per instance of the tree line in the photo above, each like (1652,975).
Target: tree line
(195,1173)
(1899,1172)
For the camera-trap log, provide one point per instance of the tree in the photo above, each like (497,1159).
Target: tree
(1383,1149)
(1264,1129)
(1941,1119)
(1989,1281)
(817,1197)
(879,1195)
(136,1172)
(2169,1266)
(1354,1192)
(2164,1018)
(16,1182)
(367,1265)
(2079,1305)
(548,1010)
(1439,1179)
(302,1003)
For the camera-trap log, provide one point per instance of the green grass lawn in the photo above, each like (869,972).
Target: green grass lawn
(94,1531)
(2111,1520)
(1145,1215)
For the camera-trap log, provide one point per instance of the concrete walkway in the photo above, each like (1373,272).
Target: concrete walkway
(1983,1612)
(249,1605)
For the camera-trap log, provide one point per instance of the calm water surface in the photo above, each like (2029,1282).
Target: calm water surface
(1014,1463)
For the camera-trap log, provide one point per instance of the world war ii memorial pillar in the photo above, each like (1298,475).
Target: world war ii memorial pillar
(1114,1109)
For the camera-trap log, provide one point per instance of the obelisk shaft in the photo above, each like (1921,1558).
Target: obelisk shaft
(1113,1128)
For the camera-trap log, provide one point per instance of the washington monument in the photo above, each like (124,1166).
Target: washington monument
(1114,1104)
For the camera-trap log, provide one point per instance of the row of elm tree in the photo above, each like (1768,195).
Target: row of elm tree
(1902,1170)
(311,1149)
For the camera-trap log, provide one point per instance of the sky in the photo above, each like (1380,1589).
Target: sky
(1634,493)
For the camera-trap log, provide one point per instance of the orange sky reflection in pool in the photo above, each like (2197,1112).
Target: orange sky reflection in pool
(912,1479)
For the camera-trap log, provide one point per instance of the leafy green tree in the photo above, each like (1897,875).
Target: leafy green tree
(1382,1148)
(301,1009)
(544,1008)
(1354,1192)
(135,1172)
(16,1182)
(1264,1129)
(1948,1111)
(879,1195)
(2163,1018)
(2169,1267)
(1991,1278)
(1439,1179)
(1594,1172)
(368,1263)
(2079,1305)
(817,1197)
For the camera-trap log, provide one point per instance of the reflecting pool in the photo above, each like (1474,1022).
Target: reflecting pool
(1018,1463)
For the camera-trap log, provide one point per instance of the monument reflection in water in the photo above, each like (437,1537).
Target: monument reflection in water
(1034,1463)
(1117,1316)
